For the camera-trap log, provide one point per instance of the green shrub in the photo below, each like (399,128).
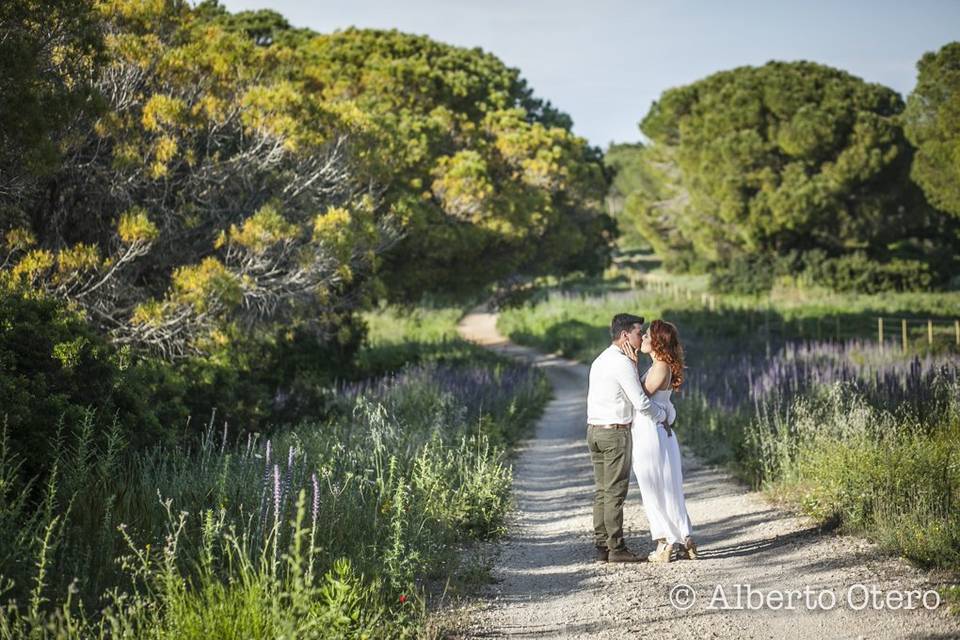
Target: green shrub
(850,273)
(856,272)
(749,275)
(54,370)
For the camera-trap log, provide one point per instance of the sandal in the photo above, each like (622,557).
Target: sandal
(690,547)
(664,552)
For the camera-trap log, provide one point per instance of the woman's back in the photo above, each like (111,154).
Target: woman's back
(660,396)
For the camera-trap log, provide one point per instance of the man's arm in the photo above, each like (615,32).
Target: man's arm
(627,378)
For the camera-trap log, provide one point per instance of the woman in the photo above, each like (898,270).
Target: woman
(656,453)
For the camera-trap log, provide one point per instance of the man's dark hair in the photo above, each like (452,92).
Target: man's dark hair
(623,322)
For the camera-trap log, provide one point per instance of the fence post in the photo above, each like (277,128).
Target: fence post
(880,333)
(956,327)
(903,332)
(929,331)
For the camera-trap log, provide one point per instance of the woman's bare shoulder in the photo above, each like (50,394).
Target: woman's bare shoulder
(662,371)
(659,365)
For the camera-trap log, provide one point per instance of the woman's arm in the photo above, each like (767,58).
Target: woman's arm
(658,377)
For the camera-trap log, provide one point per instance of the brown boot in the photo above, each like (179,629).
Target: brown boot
(623,555)
(602,554)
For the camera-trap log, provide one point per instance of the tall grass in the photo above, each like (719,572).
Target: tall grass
(397,336)
(323,530)
(893,475)
(788,297)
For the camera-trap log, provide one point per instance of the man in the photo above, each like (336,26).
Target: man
(613,395)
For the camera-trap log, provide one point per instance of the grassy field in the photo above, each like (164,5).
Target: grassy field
(834,424)
(564,316)
(341,529)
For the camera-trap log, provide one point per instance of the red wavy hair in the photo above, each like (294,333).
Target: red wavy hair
(665,342)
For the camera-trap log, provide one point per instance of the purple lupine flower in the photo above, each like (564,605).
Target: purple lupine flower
(883,378)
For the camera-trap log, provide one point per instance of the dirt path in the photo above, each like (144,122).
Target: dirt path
(548,586)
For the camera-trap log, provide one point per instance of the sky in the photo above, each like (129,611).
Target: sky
(605,62)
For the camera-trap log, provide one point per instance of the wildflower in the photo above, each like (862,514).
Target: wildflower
(315,506)
(276,489)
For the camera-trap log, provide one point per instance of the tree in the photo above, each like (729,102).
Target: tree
(49,54)
(932,124)
(195,213)
(788,157)
(486,181)
(245,179)
(218,195)
(646,197)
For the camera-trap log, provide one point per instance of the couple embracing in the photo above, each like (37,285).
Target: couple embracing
(629,418)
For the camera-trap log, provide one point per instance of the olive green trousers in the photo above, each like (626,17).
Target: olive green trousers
(610,452)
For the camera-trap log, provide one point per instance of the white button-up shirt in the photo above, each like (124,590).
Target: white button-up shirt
(614,391)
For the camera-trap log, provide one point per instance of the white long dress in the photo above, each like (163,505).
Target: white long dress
(656,467)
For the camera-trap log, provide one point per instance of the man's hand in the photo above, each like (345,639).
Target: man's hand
(671,414)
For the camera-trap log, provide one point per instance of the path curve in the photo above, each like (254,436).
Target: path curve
(546,584)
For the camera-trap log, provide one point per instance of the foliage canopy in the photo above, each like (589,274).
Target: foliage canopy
(932,123)
(243,180)
(782,159)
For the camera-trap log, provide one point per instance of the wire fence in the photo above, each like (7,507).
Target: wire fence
(913,331)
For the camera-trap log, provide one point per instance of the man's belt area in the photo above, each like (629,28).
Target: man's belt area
(611,426)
